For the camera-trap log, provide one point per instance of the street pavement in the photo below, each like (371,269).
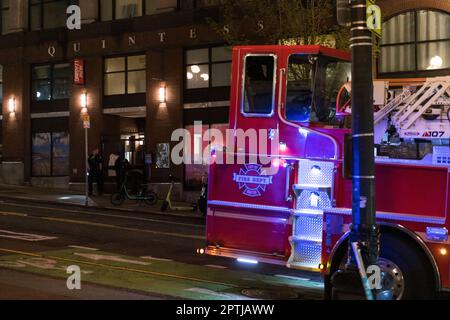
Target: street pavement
(78,199)
(125,255)
(17,285)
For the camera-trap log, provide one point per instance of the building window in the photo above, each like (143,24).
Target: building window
(48,14)
(4,6)
(1,83)
(51,82)
(50,154)
(415,42)
(208,68)
(125,75)
(126,9)
(160,6)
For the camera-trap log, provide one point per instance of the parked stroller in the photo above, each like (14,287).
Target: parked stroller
(134,188)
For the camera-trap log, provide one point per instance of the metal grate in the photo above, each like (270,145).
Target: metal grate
(307,255)
(315,173)
(309,228)
(306,200)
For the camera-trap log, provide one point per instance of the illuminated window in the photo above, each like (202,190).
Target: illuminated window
(51,82)
(208,68)
(416,42)
(125,75)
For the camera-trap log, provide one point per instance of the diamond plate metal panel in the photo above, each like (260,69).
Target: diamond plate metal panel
(304,201)
(309,227)
(316,173)
(307,255)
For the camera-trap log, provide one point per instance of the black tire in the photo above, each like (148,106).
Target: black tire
(151,198)
(117,199)
(419,280)
(164,206)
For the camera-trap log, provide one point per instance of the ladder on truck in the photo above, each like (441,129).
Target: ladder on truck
(396,103)
(428,95)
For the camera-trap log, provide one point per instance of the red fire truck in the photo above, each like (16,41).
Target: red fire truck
(300,216)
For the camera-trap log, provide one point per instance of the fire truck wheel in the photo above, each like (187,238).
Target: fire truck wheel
(410,264)
(407,270)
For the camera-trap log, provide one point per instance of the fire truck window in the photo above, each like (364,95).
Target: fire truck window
(299,89)
(337,73)
(312,87)
(259,89)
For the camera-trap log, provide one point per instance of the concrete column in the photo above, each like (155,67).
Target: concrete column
(89,11)
(94,74)
(18,15)
(164,68)
(16,126)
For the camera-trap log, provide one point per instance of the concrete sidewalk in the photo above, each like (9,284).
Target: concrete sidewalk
(74,198)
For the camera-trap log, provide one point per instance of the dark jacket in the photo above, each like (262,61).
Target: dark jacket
(95,163)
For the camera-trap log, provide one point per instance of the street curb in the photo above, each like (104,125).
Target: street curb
(99,208)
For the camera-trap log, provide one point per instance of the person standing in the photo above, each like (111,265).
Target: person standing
(95,172)
(121,166)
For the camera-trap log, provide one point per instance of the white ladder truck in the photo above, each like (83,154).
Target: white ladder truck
(415,123)
(422,112)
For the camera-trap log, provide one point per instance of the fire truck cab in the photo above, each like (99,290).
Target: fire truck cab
(287,201)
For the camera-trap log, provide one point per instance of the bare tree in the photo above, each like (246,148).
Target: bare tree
(280,21)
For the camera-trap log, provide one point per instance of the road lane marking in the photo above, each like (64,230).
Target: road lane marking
(156,259)
(132,270)
(83,248)
(107,215)
(15,214)
(292,277)
(110,226)
(24,236)
(218,294)
(100,257)
(29,254)
(215,266)
(103,225)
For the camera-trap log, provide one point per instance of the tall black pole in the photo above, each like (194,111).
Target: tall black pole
(364,230)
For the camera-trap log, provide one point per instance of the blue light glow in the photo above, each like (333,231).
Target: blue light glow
(248,261)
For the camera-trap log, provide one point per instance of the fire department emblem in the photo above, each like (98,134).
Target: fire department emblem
(252,180)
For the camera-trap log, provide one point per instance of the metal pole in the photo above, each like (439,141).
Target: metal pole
(86,178)
(364,229)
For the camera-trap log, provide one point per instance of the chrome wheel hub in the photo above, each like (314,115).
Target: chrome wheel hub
(392,278)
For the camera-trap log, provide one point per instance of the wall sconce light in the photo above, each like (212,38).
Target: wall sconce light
(84,102)
(12,105)
(163,94)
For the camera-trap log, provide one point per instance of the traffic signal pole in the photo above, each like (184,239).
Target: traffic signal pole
(364,230)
